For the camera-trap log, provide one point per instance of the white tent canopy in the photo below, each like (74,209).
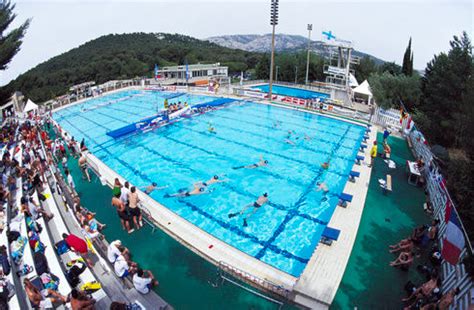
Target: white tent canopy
(364,89)
(30,106)
(353,81)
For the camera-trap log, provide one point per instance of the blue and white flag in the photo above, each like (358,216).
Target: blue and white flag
(187,71)
(156,72)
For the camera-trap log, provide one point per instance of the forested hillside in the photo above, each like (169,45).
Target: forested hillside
(120,57)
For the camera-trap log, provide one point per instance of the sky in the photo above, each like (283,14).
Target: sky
(381,28)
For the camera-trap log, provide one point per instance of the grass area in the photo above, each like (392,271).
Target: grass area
(369,282)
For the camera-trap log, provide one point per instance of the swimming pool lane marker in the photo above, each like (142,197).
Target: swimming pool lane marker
(283,130)
(280,141)
(315,167)
(291,214)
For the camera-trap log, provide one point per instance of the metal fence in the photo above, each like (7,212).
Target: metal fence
(452,276)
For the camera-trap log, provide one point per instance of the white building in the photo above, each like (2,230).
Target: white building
(198,74)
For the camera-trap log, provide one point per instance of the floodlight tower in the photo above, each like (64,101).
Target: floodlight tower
(273,22)
(310,27)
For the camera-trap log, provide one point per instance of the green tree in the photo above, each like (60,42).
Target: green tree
(407,66)
(444,86)
(10,42)
(389,89)
(365,68)
(390,67)
(262,71)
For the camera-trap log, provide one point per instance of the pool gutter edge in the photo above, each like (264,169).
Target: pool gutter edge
(323,273)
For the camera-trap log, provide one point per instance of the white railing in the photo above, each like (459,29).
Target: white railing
(453,276)
(389,118)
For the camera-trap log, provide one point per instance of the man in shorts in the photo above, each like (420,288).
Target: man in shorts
(122,213)
(135,211)
(84,168)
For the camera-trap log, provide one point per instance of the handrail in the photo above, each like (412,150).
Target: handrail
(251,279)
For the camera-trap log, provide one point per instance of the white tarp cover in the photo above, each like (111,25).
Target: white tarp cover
(30,106)
(353,81)
(363,88)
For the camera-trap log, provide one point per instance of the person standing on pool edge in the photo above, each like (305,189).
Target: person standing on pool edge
(373,154)
(256,205)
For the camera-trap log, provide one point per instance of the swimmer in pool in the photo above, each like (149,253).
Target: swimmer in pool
(261,163)
(211,128)
(197,190)
(213,180)
(256,205)
(322,186)
(325,165)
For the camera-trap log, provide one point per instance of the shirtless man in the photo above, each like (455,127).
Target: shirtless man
(153,186)
(135,211)
(83,166)
(447,299)
(404,259)
(256,205)
(424,291)
(122,213)
(406,245)
(213,180)
(198,189)
(42,299)
(80,301)
(261,163)
(322,187)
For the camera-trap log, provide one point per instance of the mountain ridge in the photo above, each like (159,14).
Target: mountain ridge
(283,43)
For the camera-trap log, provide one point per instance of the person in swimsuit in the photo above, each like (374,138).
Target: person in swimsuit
(122,213)
(211,128)
(322,187)
(42,299)
(135,211)
(256,205)
(83,166)
(261,163)
(424,291)
(405,259)
(198,189)
(150,188)
(213,180)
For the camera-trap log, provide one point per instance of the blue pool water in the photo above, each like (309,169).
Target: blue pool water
(283,233)
(292,92)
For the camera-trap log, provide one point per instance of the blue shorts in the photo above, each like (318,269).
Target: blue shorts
(125,274)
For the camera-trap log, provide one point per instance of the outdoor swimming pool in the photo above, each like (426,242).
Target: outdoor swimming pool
(283,233)
(292,92)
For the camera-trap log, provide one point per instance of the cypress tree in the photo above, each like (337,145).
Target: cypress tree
(10,42)
(407,66)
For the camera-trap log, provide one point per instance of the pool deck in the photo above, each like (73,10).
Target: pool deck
(320,280)
(323,273)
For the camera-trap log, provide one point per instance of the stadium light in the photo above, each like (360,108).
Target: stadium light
(273,22)
(310,27)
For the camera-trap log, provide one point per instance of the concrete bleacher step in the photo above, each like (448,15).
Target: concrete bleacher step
(53,262)
(57,227)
